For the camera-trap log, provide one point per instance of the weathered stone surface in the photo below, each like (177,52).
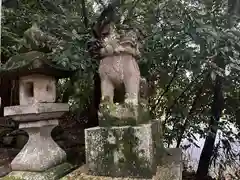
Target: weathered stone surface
(34,62)
(38,111)
(171,169)
(40,152)
(37,88)
(54,173)
(124,151)
(122,114)
(82,174)
(172,166)
(38,124)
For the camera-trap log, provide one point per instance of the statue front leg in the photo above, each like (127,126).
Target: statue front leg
(107,90)
(132,90)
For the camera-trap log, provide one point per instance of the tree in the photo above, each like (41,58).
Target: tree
(217,108)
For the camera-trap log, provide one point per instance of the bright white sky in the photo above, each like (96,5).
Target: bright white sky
(195,152)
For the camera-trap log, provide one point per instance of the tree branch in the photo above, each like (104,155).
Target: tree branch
(84,14)
(169,84)
(102,3)
(130,11)
(208,148)
(180,96)
(165,56)
(186,122)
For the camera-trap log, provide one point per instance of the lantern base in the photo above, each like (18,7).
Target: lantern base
(40,152)
(51,174)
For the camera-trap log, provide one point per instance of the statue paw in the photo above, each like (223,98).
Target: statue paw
(106,100)
(119,49)
(131,101)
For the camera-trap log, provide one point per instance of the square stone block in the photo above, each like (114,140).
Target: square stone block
(37,88)
(172,165)
(51,174)
(122,114)
(170,169)
(37,111)
(126,151)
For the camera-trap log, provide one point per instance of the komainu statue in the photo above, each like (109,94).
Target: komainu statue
(118,51)
(118,66)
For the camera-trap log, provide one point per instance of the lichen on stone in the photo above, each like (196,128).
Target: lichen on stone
(54,173)
(12,178)
(111,114)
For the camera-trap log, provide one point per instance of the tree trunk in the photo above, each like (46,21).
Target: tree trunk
(233,9)
(5,94)
(94,106)
(5,90)
(186,121)
(217,107)
(84,14)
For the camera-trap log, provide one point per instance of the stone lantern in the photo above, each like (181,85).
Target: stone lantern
(37,114)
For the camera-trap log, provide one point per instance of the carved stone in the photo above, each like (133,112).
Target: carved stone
(122,114)
(170,169)
(125,151)
(41,152)
(117,70)
(37,114)
(127,143)
(37,111)
(51,174)
(118,67)
(37,88)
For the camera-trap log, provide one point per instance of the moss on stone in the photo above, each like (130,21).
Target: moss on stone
(33,62)
(111,114)
(12,178)
(54,173)
(120,152)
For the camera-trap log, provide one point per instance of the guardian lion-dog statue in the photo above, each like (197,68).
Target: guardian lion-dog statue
(118,66)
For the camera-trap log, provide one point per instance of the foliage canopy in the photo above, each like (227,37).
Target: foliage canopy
(187,44)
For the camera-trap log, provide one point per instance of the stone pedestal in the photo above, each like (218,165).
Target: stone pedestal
(41,152)
(122,114)
(54,173)
(169,169)
(171,166)
(126,151)
(127,145)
